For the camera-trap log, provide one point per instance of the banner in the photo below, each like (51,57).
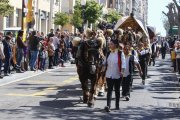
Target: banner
(27,17)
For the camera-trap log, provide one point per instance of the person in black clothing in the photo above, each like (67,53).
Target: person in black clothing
(33,47)
(142,52)
(154,52)
(8,55)
(51,34)
(164,47)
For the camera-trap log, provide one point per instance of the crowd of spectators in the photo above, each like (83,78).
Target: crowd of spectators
(36,52)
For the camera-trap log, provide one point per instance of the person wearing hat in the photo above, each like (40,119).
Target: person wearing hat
(115,67)
(8,55)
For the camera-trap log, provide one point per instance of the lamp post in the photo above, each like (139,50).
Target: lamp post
(83,4)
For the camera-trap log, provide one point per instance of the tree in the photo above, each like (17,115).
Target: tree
(166,24)
(89,13)
(178,15)
(5,8)
(61,19)
(76,19)
(112,16)
(92,11)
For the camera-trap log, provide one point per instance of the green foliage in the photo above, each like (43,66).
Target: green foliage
(112,16)
(76,19)
(5,8)
(92,11)
(61,19)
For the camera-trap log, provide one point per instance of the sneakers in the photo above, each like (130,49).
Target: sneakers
(107,109)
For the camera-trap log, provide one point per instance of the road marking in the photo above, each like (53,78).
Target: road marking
(33,76)
(46,90)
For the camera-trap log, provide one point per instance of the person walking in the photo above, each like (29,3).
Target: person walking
(164,48)
(142,52)
(154,52)
(115,64)
(131,61)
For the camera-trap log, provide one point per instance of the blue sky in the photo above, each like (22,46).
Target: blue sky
(155,14)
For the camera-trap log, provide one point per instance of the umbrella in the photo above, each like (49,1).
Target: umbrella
(130,21)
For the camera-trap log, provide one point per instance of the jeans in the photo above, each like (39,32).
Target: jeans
(20,53)
(42,63)
(7,65)
(113,83)
(34,55)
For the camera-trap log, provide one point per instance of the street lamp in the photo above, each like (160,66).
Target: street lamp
(83,4)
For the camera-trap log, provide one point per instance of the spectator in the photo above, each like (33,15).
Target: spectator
(34,50)
(56,45)
(20,50)
(8,55)
(2,57)
(177,49)
(51,51)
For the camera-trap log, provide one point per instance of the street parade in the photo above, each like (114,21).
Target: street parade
(89,59)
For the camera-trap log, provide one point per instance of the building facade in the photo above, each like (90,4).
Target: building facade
(44,12)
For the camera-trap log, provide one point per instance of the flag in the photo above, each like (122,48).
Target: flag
(28,17)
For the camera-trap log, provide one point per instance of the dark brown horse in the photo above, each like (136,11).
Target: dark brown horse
(88,64)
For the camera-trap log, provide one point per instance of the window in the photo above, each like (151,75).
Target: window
(8,21)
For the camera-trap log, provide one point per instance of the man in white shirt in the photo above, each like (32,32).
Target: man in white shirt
(131,60)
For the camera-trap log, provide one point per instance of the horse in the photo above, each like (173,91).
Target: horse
(89,62)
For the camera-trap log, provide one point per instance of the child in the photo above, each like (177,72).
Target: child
(60,54)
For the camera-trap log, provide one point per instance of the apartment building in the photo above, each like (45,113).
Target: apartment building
(44,12)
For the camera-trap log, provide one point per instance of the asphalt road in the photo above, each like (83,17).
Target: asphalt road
(55,95)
